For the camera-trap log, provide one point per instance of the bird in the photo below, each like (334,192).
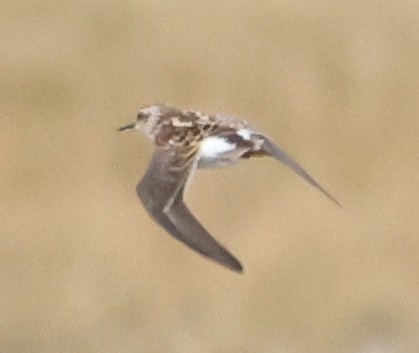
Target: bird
(186,140)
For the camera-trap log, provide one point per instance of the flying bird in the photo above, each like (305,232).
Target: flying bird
(186,140)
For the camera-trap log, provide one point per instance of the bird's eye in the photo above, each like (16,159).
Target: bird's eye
(140,116)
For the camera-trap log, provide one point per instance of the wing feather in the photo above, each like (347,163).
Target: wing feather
(161,191)
(278,153)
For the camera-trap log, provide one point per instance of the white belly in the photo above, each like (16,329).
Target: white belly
(217,151)
(214,152)
(212,147)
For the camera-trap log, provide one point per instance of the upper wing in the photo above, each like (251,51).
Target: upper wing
(275,151)
(161,192)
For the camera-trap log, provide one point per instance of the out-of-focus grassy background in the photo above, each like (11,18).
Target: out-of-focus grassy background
(84,269)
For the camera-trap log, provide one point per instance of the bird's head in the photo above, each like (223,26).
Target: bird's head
(148,117)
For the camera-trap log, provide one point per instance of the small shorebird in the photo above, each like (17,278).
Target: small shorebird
(184,141)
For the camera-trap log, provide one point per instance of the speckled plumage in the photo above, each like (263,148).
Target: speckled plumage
(185,140)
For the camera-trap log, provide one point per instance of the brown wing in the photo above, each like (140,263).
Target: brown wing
(161,192)
(275,151)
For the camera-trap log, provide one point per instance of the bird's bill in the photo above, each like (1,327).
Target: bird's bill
(127,127)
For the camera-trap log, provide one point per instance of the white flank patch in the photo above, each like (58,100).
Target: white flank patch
(213,146)
(245,134)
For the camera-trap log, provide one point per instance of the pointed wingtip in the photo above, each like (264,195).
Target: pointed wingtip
(314,183)
(236,266)
(225,259)
(278,153)
(336,202)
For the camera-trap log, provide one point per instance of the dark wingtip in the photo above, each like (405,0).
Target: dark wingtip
(226,259)
(237,267)
(278,153)
(336,202)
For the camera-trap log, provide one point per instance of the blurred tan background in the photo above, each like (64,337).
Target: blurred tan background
(82,266)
